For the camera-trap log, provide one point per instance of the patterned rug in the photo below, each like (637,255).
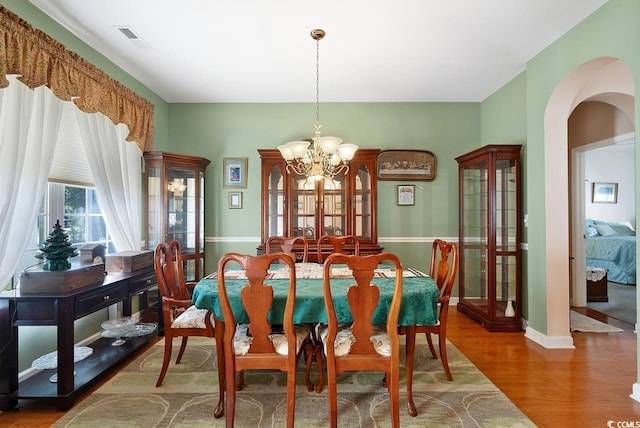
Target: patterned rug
(189,394)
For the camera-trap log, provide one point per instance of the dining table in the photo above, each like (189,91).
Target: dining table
(419,302)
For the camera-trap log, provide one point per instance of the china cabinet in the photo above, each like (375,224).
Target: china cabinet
(489,237)
(175,206)
(344,205)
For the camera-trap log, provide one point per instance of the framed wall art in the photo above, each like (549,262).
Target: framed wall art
(415,165)
(406,194)
(235,200)
(605,193)
(235,172)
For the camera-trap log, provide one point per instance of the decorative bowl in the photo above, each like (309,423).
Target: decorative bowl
(119,327)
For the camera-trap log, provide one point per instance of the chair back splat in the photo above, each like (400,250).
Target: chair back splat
(347,244)
(256,346)
(287,245)
(362,346)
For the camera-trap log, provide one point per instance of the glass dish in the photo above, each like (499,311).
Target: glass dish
(119,328)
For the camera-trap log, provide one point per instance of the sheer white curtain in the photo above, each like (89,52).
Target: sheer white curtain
(29,125)
(116,168)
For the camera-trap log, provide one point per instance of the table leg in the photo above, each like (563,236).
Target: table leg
(317,352)
(8,356)
(66,381)
(410,347)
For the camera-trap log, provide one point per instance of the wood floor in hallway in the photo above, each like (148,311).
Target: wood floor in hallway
(582,387)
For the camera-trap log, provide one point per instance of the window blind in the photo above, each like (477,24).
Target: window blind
(70,163)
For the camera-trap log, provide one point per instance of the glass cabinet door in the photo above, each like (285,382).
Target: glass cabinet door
(155,231)
(475,234)
(334,206)
(201,214)
(275,201)
(362,203)
(506,237)
(304,207)
(181,205)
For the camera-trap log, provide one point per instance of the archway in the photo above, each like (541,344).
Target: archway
(598,79)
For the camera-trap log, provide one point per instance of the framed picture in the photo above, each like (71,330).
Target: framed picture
(406,194)
(235,172)
(235,200)
(605,193)
(415,165)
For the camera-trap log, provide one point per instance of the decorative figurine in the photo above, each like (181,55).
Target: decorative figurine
(57,249)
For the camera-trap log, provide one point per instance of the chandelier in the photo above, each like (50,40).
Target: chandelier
(322,157)
(177,185)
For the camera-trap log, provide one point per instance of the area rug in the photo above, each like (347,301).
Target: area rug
(189,394)
(586,324)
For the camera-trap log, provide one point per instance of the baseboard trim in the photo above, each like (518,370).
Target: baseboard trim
(549,342)
(636,392)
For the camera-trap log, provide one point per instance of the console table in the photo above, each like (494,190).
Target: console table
(61,310)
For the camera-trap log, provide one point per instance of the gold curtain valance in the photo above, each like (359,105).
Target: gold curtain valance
(41,60)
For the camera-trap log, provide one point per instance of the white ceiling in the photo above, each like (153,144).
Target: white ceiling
(195,51)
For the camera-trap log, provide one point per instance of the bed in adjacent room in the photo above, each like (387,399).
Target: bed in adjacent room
(612,246)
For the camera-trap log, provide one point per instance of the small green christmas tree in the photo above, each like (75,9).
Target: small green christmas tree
(57,249)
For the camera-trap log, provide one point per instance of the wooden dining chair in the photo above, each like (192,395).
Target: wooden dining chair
(347,244)
(444,267)
(362,346)
(256,346)
(181,318)
(283,244)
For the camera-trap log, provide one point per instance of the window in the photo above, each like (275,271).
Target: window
(79,213)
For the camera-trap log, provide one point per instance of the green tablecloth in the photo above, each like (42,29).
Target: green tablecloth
(419,300)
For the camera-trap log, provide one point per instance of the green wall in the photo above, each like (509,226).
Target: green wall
(216,131)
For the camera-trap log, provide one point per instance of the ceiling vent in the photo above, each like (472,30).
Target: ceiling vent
(133,37)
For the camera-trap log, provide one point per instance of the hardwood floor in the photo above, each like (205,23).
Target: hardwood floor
(582,387)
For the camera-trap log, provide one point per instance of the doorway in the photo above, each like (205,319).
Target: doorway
(612,160)
(604,79)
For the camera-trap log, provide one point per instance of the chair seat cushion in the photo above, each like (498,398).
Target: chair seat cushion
(191,318)
(242,340)
(345,338)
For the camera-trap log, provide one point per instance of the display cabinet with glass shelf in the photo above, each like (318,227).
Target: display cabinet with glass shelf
(343,205)
(489,237)
(175,206)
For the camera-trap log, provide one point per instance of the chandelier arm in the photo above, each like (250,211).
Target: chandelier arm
(341,169)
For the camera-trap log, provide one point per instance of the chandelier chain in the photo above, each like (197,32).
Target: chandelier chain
(318,81)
